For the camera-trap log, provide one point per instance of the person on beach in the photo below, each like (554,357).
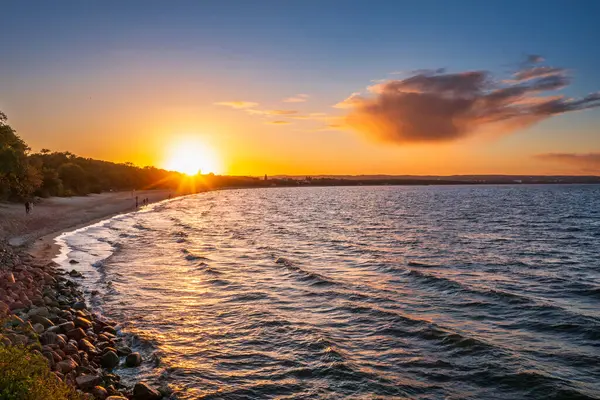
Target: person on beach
(136,201)
(27,207)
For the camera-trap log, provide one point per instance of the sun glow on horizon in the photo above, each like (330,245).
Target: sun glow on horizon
(192,156)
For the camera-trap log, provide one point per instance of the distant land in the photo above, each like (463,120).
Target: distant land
(434,179)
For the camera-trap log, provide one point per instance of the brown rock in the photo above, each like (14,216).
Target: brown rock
(38,319)
(76,334)
(133,360)
(99,393)
(142,391)
(86,346)
(48,338)
(66,366)
(38,328)
(67,326)
(110,360)
(83,323)
(87,382)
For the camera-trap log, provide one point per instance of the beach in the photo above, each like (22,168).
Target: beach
(52,216)
(42,306)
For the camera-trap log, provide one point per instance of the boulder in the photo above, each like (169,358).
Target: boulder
(86,346)
(80,305)
(42,311)
(38,328)
(109,360)
(133,359)
(99,393)
(83,323)
(38,319)
(48,338)
(123,350)
(75,274)
(87,382)
(76,334)
(67,326)
(142,391)
(66,366)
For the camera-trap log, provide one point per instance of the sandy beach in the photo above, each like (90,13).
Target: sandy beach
(52,216)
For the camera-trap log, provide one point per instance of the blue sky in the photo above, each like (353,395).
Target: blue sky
(261,50)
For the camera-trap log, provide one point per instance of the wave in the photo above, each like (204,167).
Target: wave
(313,278)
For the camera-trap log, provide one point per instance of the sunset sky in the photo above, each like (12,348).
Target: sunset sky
(310,87)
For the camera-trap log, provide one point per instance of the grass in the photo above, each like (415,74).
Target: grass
(25,375)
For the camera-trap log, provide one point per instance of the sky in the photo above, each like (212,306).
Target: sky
(309,87)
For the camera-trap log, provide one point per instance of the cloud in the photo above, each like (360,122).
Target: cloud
(435,106)
(237,104)
(278,122)
(585,161)
(351,101)
(272,112)
(534,59)
(299,98)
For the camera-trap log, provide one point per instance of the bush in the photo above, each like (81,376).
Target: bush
(25,375)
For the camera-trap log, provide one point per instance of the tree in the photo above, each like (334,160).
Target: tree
(18,179)
(73,178)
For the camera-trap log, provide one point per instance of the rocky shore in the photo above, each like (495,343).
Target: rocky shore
(42,308)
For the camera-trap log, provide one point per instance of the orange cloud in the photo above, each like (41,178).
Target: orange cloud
(278,122)
(299,98)
(272,112)
(585,161)
(439,106)
(237,104)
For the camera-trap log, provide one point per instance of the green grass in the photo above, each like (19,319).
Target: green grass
(25,375)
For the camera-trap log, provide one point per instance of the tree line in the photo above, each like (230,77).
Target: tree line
(24,175)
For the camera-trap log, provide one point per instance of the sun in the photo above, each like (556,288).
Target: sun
(191,157)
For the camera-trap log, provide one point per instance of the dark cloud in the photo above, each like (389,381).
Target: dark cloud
(585,161)
(440,106)
(534,59)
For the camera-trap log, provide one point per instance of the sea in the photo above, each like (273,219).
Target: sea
(384,292)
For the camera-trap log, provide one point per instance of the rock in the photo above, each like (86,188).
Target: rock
(66,366)
(110,329)
(76,334)
(87,382)
(133,359)
(5,341)
(38,328)
(17,305)
(109,360)
(142,391)
(116,398)
(38,319)
(43,311)
(86,346)
(71,349)
(123,351)
(75,274)
(73,262)
(80,305)
(100,393)
(14,321)
(83,323)
(67,326)
(48,338)
(55,329)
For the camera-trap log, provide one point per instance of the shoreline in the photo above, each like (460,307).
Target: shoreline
(47,312)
